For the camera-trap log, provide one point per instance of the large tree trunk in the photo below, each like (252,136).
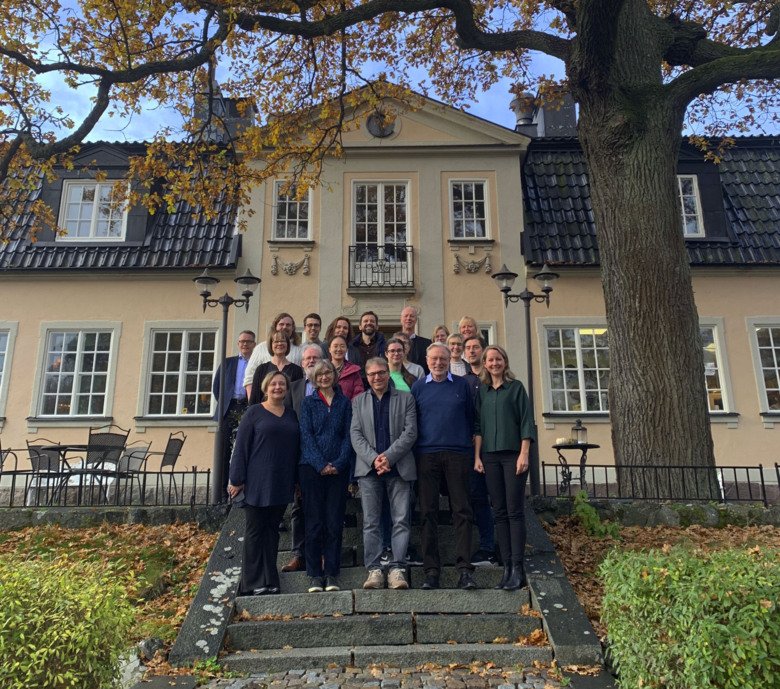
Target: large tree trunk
(631,138)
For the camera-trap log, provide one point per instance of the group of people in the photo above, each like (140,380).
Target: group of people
(403,418)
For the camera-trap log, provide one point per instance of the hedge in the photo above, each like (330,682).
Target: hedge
(679,619)
(62,625)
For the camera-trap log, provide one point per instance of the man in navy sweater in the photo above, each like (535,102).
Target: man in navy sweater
(445,426)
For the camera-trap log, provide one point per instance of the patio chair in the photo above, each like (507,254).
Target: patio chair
(129,468)
(46,471)
(104,449)
(169,457)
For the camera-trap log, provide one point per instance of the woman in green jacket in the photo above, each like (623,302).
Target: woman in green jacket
(503,436)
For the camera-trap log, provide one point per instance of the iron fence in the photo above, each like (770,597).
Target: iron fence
(679,482)
(389,266)
(22,487)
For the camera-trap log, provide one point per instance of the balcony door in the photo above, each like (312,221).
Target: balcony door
(381,256)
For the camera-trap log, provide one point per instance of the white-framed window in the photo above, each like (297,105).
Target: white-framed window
(88,211)
(577,362)
(469,209)
(578,368)
(291,215)
(77,366)
(765,342)
(5,337)
(8,330)
(380,211)
(690,201)
(180,370)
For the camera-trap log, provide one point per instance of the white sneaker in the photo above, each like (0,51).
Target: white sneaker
(397,580)
(376,580)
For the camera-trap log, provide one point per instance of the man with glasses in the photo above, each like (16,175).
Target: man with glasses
(312,324)
(383,432)
(445,429)
(235,373)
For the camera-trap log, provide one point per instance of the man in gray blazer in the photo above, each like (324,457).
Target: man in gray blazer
(384,428)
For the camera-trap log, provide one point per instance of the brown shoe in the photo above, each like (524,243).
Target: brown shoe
(296,564)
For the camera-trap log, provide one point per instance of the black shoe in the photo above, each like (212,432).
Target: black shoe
(466,581)
(505,576)
(332,584)
(483,558)
(273,590)
(386,557)
(516,580)
(260,592)
(315,585)
(431,582)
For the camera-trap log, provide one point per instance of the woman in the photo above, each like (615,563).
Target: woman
(415,369)
(400,375)
(263,467)
(349,375)
(440,334)
(458,367)
(467,327)
(323,474)
(279,345)
(343,328)
(503,434)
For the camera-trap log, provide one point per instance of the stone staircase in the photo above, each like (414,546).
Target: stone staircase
(355,627)
(398,628)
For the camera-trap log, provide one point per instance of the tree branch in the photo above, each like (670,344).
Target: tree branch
(756,63)
(470,34)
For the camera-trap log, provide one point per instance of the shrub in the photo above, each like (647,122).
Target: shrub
(62,625)
(590,520)
(682,620)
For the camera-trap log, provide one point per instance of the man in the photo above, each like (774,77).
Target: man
(312,324)
(236,403)
(285,323)
(370,342)
(418,345)
(445,424)
(383,431)
(298,389)
(473,348)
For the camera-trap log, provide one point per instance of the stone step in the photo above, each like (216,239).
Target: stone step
(477,628)
(281,660)
(353,578)
(506,655)
(321,632)
(296,605)
(349,557)
(453,601)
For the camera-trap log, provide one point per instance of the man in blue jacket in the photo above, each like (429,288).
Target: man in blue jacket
(445,425)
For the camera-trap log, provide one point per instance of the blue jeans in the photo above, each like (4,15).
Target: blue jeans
(483,515)
(373,488)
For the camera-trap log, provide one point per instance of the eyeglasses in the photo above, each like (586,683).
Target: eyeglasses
(246,342)
(374,374)
(324,374)
(395,351)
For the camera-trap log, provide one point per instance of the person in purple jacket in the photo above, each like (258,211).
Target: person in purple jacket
(323,473)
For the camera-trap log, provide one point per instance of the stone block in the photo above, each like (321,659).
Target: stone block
(475,628)
(280,660)
(443,654)
(297,605)
(450,601)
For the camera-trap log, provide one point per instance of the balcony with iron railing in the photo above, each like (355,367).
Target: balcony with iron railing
(381,268)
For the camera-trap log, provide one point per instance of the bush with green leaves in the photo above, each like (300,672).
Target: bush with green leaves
(679,619)
(63,625)
(590,520)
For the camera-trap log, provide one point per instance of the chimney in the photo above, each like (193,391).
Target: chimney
(226,117)
(544,120)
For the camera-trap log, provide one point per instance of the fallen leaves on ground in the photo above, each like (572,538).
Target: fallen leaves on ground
(582,554)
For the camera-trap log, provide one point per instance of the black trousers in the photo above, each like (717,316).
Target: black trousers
(507,493)
(454,468)
(261,546)
(297,527)
(324,504)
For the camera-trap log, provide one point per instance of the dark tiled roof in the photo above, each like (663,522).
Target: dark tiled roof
(559,224)
(181,239)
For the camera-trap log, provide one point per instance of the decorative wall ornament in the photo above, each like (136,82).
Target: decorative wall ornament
(472,266)
(290,267)
(350,309)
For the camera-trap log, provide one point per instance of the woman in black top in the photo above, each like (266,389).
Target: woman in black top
(263,466)
(279,346)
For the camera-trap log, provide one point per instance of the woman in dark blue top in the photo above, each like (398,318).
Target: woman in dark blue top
(326,452)
(263,466)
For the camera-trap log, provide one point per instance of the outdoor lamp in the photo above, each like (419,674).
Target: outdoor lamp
(545,276)
(579,433)
(248,284)
(505,278)
(204,283)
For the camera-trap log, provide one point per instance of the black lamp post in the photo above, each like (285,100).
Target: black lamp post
(505,278)
(204,283)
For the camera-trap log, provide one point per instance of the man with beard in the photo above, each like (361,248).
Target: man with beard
(370,342)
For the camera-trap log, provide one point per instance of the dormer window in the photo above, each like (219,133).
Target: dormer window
(690,200)
(88,212)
